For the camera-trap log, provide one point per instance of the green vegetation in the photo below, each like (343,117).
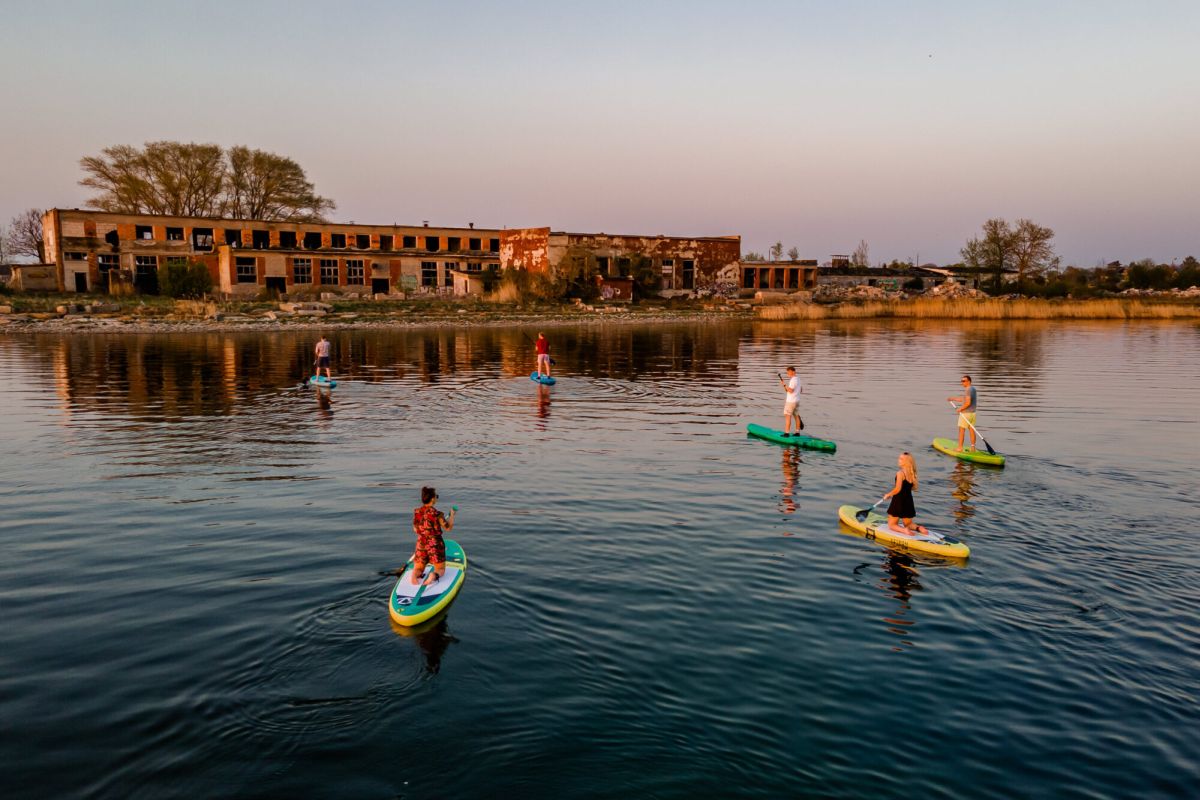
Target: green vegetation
(187,280)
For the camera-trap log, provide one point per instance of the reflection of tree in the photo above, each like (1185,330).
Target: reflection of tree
(1012,351)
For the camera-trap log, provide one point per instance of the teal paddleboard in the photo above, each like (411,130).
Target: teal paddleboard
(799,439)
(319,381)
(546,379)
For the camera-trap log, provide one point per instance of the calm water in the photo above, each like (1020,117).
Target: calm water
(194,606)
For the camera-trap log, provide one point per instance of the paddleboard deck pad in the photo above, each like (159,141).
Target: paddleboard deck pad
(546,379)
(320,381)
(874,525)
(800,439)
(950,448)
(411,605)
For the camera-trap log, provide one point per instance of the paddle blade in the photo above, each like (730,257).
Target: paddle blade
(991,450)
(861,516)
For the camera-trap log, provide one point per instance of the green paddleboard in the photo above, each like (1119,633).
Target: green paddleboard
(799,440)
(948,446)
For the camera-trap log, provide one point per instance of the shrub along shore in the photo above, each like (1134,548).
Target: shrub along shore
(47,313)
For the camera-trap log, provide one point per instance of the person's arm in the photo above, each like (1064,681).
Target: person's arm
(448,521)
(896,488)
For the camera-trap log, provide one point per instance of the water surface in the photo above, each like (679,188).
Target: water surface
(657,606)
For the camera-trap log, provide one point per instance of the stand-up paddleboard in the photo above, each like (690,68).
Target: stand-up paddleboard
(317,380)
(411,605)
(950,448)
(546,379)
(874,525)
(800,439)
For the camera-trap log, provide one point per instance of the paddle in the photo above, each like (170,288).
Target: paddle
(799,418)
(862,515)
(553,363)
(991,450)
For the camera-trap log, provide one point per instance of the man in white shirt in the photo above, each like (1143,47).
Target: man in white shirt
(791,403)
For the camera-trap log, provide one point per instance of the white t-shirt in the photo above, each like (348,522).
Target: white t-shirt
(793,384)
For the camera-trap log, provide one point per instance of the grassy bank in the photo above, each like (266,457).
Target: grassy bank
(1026,308)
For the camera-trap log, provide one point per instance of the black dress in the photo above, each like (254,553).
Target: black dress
(902,505)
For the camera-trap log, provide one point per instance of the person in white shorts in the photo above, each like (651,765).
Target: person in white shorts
(791,403)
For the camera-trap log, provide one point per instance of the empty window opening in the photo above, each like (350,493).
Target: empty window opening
(429,273)
(287,239)
(202,238)
(447,275)
(260,240)
(453,244)
(302,270)
(410,243)
(763,276)
(475,245)
(109,262)
(433,243)
(602,265)
(329,271)
(385,242)
(748,278)
(494,267)
(113,239)
(355,272)
(688,277)
(145,274)
(247,269)
(623,267)
(174,234)
(233,238)
(312,240)
(335,240)
(362,241)
(476,267)
(493,245)
(76,256)
(144,232)
(777,282)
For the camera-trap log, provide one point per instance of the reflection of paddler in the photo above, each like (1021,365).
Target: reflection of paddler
(791,475)
(432,637)
(543,400)
(324,401)
(962,477)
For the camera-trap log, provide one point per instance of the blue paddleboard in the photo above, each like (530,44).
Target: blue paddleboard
(321,381)
(546,379)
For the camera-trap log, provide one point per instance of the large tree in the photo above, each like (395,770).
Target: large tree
(994,251)
(1034,252)
(25,235)
(263,185)
(202,180)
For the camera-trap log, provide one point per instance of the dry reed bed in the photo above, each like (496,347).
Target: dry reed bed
(935,308)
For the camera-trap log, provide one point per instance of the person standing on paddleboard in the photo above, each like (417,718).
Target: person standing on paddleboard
(543,355)
(791,402)
(428,524)
(322,351)
(902,508)
(967,404)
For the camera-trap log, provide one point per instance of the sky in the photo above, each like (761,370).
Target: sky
(817,124)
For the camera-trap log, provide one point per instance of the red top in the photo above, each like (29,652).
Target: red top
(428,521)
(543,346)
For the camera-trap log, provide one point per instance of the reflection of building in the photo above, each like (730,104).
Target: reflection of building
(97,250)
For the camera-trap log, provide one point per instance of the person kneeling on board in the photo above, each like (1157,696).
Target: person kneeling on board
(543,355)
(791,402)
(431,548)
(902,508)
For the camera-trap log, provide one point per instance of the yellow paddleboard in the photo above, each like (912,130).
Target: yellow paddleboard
(874,525)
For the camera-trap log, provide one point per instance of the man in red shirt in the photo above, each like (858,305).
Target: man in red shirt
(543,355)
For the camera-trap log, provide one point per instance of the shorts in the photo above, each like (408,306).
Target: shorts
(430,550)
(543,358)
(322,362)
(789,409)
(965,417)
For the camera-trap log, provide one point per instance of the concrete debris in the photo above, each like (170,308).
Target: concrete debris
(954,291)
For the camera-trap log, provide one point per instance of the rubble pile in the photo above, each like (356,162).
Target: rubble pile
(1193,291)
(832,293)
(954,291)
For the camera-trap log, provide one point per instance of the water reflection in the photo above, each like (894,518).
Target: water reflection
(543,404)
(962,489)
(790,464)
(432,638)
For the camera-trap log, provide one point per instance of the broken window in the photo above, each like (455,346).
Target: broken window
(494,267)
(233,238)
(176,261)
(247,269)
(76,256)
(453,244)
(748,278)
(287,239)
(108,262)
(668,273)
(688,277)
(474,245)
(410,242)
(302,270)
(385,242)
(476,267)
(260,240)
(362,241)
(202,238)
(447,275)
(429,273)
(494,245)
(144,264)
(355,272)
(312,240)
(174,234)
(433,243)
(602,265)
(335,240)
(623,267)
(329,271)
(143,232)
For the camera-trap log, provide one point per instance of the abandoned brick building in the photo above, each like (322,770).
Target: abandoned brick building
(102,251)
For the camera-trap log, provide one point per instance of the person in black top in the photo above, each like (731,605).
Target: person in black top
(902,508)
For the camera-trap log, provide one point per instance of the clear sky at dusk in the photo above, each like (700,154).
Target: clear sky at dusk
(815,123)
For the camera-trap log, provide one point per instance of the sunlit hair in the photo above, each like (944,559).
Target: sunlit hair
(908,466)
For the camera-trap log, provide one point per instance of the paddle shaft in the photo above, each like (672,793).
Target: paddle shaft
(991,450)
